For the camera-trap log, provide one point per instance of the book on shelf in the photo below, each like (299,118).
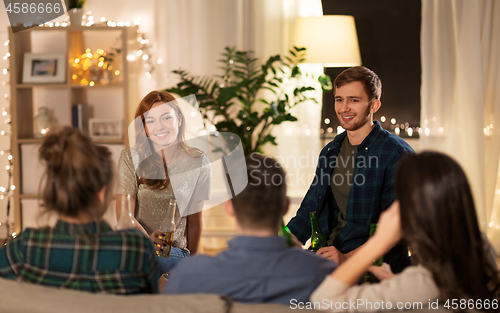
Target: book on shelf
(80,117)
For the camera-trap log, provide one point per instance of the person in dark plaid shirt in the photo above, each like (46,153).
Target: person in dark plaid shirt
(81,251)
(354,176)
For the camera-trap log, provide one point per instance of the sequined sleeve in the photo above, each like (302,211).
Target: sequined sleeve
(203,185)
(127,179)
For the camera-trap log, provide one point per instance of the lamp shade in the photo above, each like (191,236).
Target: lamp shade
(330,39)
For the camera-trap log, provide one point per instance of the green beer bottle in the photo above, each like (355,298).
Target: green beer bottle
(369,277)
(285,233)
(318,239)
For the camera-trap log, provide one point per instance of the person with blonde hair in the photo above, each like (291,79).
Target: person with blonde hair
(81,251)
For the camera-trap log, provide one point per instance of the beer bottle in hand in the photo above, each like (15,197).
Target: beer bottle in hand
(318,239)
(369,277)
(285,233)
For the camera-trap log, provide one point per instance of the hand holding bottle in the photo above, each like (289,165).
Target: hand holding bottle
(157,239)
(164,237)
(381,272)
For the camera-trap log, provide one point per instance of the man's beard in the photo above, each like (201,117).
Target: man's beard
(359,123)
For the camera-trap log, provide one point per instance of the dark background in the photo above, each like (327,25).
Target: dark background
(389,42)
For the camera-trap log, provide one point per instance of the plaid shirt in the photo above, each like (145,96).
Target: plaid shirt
(376,162)
(89,257)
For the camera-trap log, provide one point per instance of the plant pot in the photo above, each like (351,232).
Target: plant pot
(75,16)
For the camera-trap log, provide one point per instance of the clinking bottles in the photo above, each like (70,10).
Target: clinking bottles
(318,239)
(369,277)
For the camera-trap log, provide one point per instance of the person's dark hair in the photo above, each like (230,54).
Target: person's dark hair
(77,169)
(370,80)
(153,162)
(439,223)
(262,203)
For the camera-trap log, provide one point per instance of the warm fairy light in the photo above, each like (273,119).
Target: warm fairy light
(393,121)
(7,167)
(6,43)
(43,131)
(74,76)
(9,157)
(2,189)
(117,72)
(383,119)
(91,84)
(103,19)
(327,121)
(5,71)
(77,60)
(409,130)
(12,187)
(397,131)
(139,52)
(145,57)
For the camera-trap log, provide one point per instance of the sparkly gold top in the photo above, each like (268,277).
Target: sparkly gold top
(190,179)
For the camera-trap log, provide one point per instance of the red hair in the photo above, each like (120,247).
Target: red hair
(152,164)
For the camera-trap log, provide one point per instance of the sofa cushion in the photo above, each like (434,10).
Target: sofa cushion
(31,298)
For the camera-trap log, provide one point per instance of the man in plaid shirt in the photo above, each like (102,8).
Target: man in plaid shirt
(354,176)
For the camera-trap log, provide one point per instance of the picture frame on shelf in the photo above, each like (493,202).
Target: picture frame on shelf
(45,68)
(105,128)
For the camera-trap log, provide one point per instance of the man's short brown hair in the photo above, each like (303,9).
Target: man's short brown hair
(370,80)
(261,204)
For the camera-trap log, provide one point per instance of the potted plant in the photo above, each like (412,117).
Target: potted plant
(249,99)
(75,11)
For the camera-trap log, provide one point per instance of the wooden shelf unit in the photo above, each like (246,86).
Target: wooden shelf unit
(25,97)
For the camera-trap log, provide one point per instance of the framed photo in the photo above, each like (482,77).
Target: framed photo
(44,68)
(105,128)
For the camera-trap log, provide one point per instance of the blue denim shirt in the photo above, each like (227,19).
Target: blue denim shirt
(252,270)
(376,162)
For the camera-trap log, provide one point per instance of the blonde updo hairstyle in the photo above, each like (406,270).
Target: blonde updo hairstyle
(77,169)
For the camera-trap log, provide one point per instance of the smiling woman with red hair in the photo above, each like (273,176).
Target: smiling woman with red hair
(146,170)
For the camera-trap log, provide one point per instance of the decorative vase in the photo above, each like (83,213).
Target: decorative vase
(75,16)
(43,122)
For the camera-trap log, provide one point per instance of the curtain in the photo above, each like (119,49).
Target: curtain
(191,34)
(460,45)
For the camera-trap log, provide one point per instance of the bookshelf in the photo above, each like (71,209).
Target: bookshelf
(116,99)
